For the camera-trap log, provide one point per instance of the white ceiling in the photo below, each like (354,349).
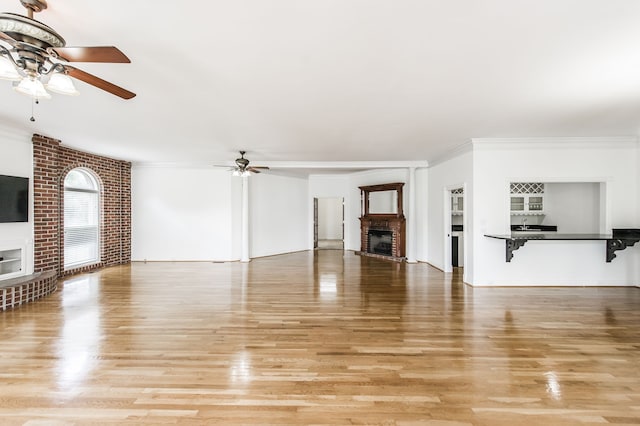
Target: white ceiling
(338,80)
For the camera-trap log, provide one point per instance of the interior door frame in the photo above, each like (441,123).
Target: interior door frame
(315,222)
(446,201)
(447,261)
(316,219)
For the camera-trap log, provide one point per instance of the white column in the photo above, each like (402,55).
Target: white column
(245,220)
(411,220)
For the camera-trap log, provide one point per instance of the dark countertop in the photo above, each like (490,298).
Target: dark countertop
(550,236)
(456,228)
(547,228)
(618,233)
(620,239)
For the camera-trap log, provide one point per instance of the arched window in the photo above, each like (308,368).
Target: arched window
(81,219)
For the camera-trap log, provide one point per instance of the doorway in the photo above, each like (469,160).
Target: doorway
(457,229)
(328,223)
(454,232)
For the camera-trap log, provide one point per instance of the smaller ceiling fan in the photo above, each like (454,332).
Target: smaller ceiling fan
(243,168)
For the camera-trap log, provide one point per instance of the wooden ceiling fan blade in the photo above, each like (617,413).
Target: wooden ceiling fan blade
(99,83)
(257,169)
(108,54)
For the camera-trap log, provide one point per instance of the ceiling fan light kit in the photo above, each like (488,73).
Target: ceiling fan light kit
(34,56)
(8,70)
(62,83)
(240,173)
(33,87)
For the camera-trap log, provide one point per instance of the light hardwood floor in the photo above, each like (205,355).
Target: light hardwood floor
(322,337)
(330,244)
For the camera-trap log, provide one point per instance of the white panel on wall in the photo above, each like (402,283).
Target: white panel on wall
(181,214)
(17,160)
(422,214)
(573,207)
(278,214)
(236,217)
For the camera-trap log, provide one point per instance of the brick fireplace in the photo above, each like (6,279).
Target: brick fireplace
(382,225)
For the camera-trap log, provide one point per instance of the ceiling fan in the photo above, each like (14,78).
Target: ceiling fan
(243,168)
(37,56)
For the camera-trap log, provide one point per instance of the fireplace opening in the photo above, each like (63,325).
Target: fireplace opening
(380,242)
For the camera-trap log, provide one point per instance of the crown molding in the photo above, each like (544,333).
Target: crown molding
(369,172)
(340,167)
(331,175)
(180,165)
(610,142)
(451,154)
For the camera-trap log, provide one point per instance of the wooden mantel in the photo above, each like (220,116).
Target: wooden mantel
(393,222)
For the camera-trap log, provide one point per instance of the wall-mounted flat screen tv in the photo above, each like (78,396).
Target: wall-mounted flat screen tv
(14,199)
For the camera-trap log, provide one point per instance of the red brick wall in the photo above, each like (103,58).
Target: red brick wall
(51,163)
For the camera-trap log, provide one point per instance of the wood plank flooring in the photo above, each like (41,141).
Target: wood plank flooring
(321,337)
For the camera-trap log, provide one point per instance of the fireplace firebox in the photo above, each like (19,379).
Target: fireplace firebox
(380,242)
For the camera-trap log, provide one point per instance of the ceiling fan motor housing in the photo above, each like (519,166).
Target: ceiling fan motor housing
(34,5)
(29,31)
(242,162)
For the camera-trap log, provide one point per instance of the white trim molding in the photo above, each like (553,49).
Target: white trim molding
(457,151)
(555,143)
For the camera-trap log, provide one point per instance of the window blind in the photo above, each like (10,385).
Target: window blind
(81,227)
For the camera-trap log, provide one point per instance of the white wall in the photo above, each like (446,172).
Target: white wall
(496,163)
(278,214)
(573,207)
(16,159)
(191,213)
(181,213)
(637,270)
(236,217)
(422,215)
(456,172)
(330,218)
